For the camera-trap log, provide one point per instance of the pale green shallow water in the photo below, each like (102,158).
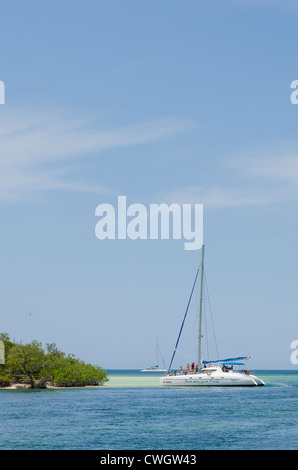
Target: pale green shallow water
(133,412)
(133,380)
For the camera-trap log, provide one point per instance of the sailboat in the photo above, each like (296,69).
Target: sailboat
(156,368)
(218,373)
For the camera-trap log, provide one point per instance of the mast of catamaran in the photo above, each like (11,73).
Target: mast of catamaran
(157,360)
(200,313)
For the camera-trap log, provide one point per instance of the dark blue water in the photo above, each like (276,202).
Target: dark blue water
(119,418)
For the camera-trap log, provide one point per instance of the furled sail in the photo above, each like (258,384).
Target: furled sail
(227,360)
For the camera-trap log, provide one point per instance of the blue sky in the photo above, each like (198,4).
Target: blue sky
(162,102)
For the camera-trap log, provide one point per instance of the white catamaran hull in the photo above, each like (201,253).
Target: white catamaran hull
(229,379)
(258,380)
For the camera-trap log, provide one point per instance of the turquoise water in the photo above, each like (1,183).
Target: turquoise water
(132,412)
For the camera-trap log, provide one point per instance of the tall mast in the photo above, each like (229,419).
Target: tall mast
(201,304)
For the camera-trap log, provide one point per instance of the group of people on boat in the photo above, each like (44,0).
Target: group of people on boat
(195,369)
(190,369)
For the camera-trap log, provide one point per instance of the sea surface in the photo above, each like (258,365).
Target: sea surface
(133,412)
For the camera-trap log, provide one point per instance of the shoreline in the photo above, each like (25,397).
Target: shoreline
(48,387)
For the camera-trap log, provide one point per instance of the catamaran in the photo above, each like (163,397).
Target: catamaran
(156,368)
(216,373)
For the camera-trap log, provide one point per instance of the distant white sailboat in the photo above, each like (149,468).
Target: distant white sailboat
(156,368)
(207,374)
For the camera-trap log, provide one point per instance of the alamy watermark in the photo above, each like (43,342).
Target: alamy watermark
(294,355)
(2,92)
(294,94)
(294,344)
(161,221)
(2,353)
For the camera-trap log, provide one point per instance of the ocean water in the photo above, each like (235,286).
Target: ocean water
(133,412)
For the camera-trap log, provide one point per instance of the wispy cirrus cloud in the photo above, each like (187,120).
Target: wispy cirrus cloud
(272,168)
(277,168)
(261,176)
(217,196)
(31,144)
(39,150)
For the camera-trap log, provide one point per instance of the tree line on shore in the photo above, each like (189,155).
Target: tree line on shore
(36,366)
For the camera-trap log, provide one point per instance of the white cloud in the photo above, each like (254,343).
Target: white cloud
(35,146)
(217,197)
(31,141)
(271,169)
(278,168)
(261,176)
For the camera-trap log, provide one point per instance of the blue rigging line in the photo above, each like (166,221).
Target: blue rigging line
(184,319)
